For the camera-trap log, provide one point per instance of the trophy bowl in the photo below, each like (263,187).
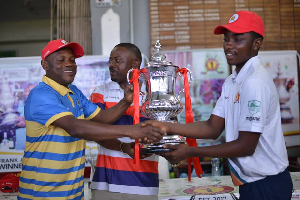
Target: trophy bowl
(161,102)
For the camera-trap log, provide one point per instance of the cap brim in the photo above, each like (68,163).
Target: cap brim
(219,30)
(232,28)
(77,49)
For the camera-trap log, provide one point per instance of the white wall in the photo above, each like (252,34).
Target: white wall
(139,9)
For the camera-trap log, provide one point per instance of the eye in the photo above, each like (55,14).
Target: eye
(118,60)
(239,38)
(225,40)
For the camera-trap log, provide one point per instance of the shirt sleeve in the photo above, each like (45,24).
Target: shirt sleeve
(44,106)
(90,109)
(255,102)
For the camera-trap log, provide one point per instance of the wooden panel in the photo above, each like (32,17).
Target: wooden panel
(188,24)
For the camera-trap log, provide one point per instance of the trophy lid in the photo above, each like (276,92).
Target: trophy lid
(158,58)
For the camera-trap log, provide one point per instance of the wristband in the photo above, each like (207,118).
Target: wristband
(121,149)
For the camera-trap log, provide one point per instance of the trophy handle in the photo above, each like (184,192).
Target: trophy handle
(128,73)
(190,81)
(141,93)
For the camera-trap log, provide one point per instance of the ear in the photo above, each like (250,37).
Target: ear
(257,44)
(45,65)
(136,64)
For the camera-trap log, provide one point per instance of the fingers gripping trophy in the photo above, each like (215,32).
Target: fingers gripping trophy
(159,99)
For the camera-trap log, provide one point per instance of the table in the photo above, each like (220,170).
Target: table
(207,189)
(182,189)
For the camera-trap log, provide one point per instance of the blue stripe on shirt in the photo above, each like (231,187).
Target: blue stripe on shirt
(52,138)
(51,193)
(54,156)
(44,183)
(53,171)
(130,178)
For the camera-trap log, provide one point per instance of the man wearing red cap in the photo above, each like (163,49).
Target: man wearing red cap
(57,118)
(248,110)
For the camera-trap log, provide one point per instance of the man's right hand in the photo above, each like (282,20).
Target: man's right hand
(161,125)
(147,133)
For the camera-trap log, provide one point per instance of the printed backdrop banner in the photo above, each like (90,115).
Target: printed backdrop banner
(283,67)
(209,70)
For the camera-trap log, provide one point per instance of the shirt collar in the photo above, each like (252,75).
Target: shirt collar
(248,67)
(115,86)
(62,90)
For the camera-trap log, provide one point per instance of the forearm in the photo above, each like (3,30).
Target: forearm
(225,150)
(94,131)
(113,144)
(199,130)
(117,145)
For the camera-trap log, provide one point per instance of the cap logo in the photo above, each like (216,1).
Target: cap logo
(64,41)
(45,55)
(233,18)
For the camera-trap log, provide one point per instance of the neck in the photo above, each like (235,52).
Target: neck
(123,85)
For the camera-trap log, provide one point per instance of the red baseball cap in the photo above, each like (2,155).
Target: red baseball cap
(9,183)
(242,22)
(55,45)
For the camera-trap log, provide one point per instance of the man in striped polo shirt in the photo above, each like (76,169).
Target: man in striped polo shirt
(58,119)
(115,174)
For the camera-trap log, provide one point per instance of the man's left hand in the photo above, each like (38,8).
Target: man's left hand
(179,153)
(128,94)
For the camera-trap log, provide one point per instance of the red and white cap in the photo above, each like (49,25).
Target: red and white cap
(242,22)
(55,45)
(9,183)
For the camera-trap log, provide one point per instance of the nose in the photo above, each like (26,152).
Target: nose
(70,63)
(228,44)
(111,64)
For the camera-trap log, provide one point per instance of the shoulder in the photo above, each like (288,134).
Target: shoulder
(260,77)
(42,91)
(42,95)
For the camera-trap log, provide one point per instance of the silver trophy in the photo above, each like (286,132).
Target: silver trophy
(8,99)
(281,83)
(161,102)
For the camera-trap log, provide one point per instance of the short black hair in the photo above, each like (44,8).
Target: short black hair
(131,47)
(256,35)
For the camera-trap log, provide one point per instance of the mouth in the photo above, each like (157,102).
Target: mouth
(112,71)
(70,72)
(229,55)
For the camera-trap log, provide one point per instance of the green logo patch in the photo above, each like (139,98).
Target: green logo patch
(253,106)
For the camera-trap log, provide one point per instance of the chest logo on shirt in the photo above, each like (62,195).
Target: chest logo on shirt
(253,106)
(79,105)
(237,98)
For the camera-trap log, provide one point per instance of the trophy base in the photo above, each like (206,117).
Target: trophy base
(158,147)
(286,114)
